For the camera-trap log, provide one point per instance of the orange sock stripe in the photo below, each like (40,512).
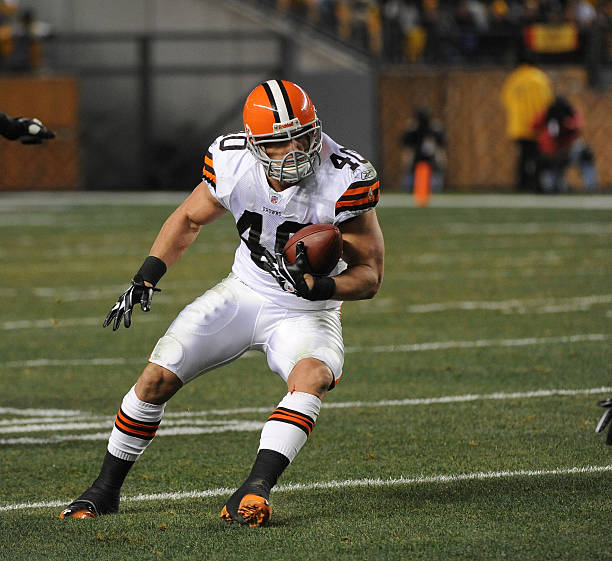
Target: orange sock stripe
(131,432)
(144,424)
(294,413)
(291,420)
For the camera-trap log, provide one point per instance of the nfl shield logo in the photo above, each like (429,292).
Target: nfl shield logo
(274,199)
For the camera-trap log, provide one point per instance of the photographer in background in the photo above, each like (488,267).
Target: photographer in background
(559,136)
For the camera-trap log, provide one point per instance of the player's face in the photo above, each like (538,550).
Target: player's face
(278,150)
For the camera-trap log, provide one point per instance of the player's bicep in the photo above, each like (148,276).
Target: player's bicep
(363,242)
(200,207)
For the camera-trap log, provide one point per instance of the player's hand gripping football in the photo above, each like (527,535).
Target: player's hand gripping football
(138,292)
(290,276)
(605,419)
(34,132)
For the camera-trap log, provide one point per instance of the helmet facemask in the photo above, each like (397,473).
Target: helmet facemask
(295,165)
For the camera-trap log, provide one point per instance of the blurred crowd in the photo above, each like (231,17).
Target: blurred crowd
(443,30)
(21,38)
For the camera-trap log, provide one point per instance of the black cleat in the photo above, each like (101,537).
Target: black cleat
(92,503)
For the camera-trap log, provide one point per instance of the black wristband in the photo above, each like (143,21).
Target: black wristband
(323,289)
(151,271)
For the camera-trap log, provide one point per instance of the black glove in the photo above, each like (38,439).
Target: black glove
(137,292)
(290,276)
(34,132)
(605,419)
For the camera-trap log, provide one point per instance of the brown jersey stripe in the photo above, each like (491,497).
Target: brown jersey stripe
(208,165)
(361,203)
(212,181)
(367,198)
(363,192)
(209,175)
(354,208)
(291,421)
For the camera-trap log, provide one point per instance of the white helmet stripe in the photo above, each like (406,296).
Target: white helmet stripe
(279,100)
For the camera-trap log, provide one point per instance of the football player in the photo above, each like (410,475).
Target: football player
(279,175)
(605,419)
(27,131)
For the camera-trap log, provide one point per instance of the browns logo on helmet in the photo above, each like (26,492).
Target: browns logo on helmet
(281,111)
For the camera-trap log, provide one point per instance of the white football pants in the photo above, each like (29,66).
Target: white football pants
(231,318)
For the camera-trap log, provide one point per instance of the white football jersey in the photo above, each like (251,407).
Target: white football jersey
(343,186)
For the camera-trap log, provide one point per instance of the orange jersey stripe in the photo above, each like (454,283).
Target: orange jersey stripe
(357,190)
(209,175)
(356,202)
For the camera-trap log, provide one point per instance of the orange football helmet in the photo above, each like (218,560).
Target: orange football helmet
(281,111)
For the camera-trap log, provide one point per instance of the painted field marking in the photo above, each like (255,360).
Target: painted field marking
(342,484)
(416,347)
(242,426)
(516,306)
(191,418)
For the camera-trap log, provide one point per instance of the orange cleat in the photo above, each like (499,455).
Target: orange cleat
(79,509)
(253,509)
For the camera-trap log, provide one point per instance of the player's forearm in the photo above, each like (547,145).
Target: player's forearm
(360,282)
(175,236)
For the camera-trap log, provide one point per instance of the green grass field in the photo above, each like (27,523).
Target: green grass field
(463,427)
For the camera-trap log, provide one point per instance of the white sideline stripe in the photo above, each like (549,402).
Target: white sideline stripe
(519,306)
(347,483)
(434,346)
(242,426)
(18,424)
(48,200)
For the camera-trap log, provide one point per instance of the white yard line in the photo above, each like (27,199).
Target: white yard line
(516,306)
(191,418)
(242,426)
(342,484)
(416,347)
(440,345)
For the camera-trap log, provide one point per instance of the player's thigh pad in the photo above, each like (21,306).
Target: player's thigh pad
(312,334)
(213,330)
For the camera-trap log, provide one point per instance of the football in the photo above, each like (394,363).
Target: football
(323,246)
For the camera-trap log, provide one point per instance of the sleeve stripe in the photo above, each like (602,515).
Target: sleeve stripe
(363,198)
(353,208)
(208,171)
(352,195)
(212,179)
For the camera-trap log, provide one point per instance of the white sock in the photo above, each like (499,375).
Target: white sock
(290,424)
(135,426)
